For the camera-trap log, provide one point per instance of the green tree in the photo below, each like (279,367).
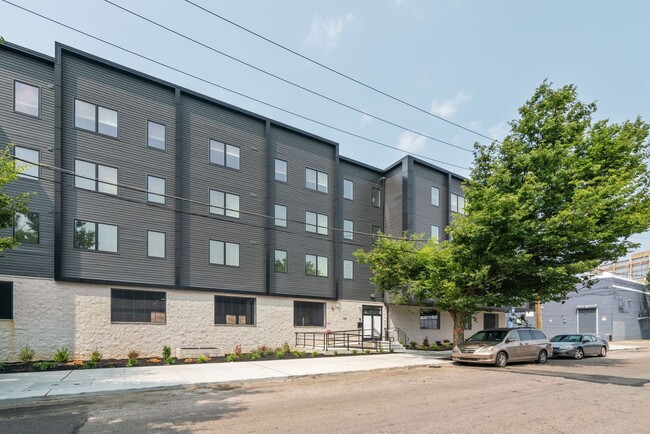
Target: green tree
(10,206)
(561,194)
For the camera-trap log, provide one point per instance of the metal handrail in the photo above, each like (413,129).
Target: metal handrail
(402,337)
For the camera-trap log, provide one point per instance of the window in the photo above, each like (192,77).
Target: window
(435,233)
(308,314)
(95,177)
(280,261)
(6,300)
(348,189)
(429,319)
(138,306)
(376,229)
(26,228)
(156,135)
(27,160)
(155,189)
(234,310)
(457,204)
(280,170)
(280,215)
(435,196)
(348,269)
(95,118)
(156,244)
(621,305)
(315,180)
(222,253)
(27,98)
(224,155)
(224,204)
(468,322)
(95,236)
(348,229)
(490,320)
(316,223)
(316,265)
(376,197)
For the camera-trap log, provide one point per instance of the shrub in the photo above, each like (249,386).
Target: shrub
(434,347)
(2,366)
(131,363)
(298,353)
(44,366)
(381,350)
(336,353)
(392,350)
(132,358)
(446,342)
(255,355)
(286,348)
(237,350)
(279,353)
(413,345)
(355,352)
(314,353)
(167,352)
(26,354)
(61,356)
(232,357)
(202,359)
(88,364)
(96,357)
(439,343)
(425,341)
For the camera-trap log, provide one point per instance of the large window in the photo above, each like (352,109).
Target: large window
(27,160)
(95,118)
(280,264)
(457,204)
(27,98)
(6,300)
(316,265)
(156,244)
(348,269)
(95,177)
(224,154)
(429,319)
(348,189)
(435,196)
(234,310)
(222,253)
(222,203)
(315,180)
(490,320)
(280,215)
(316,223)
(156,135)
(307,313)
(138,306)
(95,236)
(348,229)
(376,197)
(155,189)
(435,233)
(26,228)
(280,170)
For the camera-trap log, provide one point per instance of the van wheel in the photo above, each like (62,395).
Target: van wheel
(542,357)
(579,354)
(603,352)
(501,360)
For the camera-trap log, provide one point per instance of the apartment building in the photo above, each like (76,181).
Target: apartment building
(161,216)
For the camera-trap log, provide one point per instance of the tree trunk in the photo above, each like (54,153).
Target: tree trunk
(459,327)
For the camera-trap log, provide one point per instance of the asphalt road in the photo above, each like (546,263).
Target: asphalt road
(610,395)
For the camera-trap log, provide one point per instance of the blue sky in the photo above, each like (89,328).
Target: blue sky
(471,62)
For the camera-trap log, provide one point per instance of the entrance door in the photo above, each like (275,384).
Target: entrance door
(587,320)
(372,323)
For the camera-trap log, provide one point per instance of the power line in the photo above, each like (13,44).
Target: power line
(126,50)
(341,74)
(284,80)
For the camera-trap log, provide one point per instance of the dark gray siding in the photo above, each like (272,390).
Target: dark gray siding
(426,214)
(365,216)
(136,101)
(202,121)
(303,152)
(393,201)
(35,133)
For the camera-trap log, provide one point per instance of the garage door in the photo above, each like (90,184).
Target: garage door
(587,321)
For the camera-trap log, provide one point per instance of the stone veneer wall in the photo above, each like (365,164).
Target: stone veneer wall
(49,315)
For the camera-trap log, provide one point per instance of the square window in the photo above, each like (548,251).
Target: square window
(457,204)
(84,115)
(280,264)
(429,319)
(107,121)
(280,215)
(156,244)
(280,170)
(308,314)
(27,160)
(348,189)
(26,228)
(107,180)
(376,197)
(155,189)
(348,269)
(348,229)
(435,196)
(138,306)
(316,223)
(156,135)
(6,300)
(27,98)
(234,310)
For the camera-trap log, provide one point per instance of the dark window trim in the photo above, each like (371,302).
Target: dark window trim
(275,172)
(7,286)
(165,244)
(96,249)
(424,312)
(351,232)
(96,131)
(316,189)
(286,264)
(38,232)
(164,195)
(312,305)
(316,225)
(225,209)
(96,180)
(433,204)
(224,254)
(225,155)
(153,147)
(317,258)
(252,300)
(162,299)
(38,167)
(286,219)
(352,262)
(347,198)
(40,99)
(372,195)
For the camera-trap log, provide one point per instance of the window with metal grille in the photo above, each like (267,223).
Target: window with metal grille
(234,310)
(307,313)
(138,306)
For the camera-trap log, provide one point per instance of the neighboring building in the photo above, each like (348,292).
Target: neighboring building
(635,267)
(180,220)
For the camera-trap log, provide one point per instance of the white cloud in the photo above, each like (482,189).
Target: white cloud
(499,131)
(475,125)
(448,107)
(365,120)
(411,142)
(326,33)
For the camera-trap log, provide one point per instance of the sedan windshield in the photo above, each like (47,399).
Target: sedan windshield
(566,338)
(488,336)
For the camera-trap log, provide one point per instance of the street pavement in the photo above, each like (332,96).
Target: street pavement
(34,386)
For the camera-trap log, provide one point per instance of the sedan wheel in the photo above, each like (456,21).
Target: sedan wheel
(603,352)
(579,354)
(542,357)
(501,360)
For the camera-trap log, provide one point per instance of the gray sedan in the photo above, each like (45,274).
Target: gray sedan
(578,346)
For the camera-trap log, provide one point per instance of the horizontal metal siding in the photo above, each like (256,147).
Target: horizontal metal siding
(427,214)
(365,216)
(34,133)
(202,121)
(301,152)
(393,202)
(136,100)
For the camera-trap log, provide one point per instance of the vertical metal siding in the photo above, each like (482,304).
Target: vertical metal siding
(426,214)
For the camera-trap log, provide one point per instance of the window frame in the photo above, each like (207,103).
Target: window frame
(375,194)
(310,307)
(163,196)
(347,231)
(437,196)
(7,295)
(455,204)
(164,245)
(226,160)
(96,119)
(350,263)
(96,179)
(164,144)
(96,241)
(225,245)
(250,304)
(351,183)
(425,313)
(275,261)
(38,227)
(34,166)
(225,211)
(39,99)
(317,182)
(319,229)
(437,233)
(286,170)
(161,297)
(275,215)
(317,265)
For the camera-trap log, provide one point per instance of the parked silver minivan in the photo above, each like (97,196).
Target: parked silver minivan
(504,345)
